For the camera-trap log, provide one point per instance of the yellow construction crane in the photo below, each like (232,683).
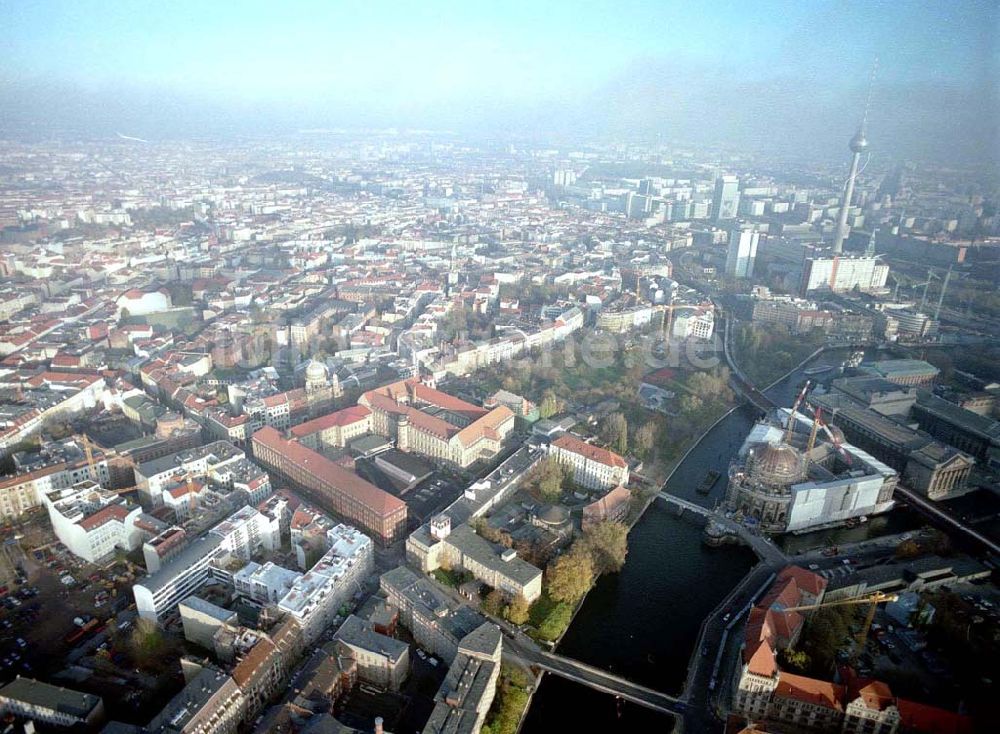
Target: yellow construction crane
(872,600)
(95,475)
(88,452)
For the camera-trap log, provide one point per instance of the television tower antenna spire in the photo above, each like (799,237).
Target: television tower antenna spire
(868,99)
(858,145)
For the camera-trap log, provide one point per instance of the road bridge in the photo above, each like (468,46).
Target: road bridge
(943,517)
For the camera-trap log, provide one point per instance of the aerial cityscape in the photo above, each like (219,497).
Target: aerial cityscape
(452,369)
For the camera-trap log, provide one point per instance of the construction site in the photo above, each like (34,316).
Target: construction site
(794,473)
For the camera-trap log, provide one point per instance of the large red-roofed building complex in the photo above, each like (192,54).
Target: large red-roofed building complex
(334,488)
(426,421)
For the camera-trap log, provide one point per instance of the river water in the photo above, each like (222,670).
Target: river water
(643,622)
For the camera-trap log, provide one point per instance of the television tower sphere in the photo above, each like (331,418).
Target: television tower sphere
(859,142)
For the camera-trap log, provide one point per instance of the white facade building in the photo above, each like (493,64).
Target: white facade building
(185,571)
(592,466)
(316,597)
(265,584)
(92,522)
(841,273)
(693,323)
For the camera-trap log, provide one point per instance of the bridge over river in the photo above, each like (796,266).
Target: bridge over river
(762,546)
(524,650)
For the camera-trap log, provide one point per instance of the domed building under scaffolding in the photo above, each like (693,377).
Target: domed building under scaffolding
(763,485)
(789,476)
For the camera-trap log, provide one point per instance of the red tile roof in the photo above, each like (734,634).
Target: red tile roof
(249,667)
(344,417)
(488,426)
(808,581)
(106,515)
(416,391)
(567,442)
(326,471)
(760,659)
(919,717)
(418,419)
(810,690)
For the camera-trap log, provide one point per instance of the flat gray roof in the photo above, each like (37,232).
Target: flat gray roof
(482,551)
(206,607)
(204,546)
(45,695)
(986,428)
(355,631)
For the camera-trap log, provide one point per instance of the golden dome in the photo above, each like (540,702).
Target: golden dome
(777,463)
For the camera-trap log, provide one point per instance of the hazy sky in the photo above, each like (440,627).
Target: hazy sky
(752,72)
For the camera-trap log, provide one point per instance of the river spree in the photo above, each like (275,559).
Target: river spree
(643,623)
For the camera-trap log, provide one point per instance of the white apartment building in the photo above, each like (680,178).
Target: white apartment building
(153,477)
(592,466)
(316,597)
(693,323)
(265,584)
(841,273)
(184,572)
(24,491)
(92,522)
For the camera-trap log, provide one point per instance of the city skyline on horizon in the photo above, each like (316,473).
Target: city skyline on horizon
(775,77)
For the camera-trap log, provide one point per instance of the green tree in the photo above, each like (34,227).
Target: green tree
(517,610)
(549,405)
(550,476)
(556,622)
(607,545)
(456,322)
(614,430)
(644,438)
(797,660)
(570,575)
(827,633)
(493,604)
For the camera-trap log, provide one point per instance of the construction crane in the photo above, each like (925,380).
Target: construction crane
(795,407)
(88,453)
(872,600)
(912,284)
(944,288)
(818,422)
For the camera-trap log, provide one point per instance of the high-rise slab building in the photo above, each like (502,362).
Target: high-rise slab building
(741,253)
(726,200)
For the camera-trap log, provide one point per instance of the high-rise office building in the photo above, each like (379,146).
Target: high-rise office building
(564,177)
(741,253)
(637,206)
(726,200)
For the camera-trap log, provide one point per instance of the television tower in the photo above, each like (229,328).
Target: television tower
(858,145)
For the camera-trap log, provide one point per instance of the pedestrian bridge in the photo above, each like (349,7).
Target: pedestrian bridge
(526,651)
(760,545)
